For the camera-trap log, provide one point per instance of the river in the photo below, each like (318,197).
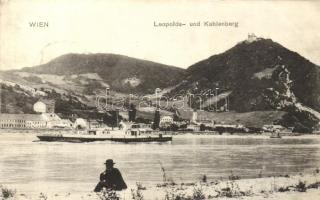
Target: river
(33,167)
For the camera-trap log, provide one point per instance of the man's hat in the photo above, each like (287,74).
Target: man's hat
(109,162)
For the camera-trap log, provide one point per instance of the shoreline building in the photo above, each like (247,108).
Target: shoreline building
(22,121)
(33,121)
(44,119)
(166,121)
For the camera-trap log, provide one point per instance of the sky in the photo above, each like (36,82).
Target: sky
(127,28)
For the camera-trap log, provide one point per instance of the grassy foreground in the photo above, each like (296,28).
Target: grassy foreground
(284,187)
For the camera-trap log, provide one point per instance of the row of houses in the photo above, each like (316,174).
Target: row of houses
(33,121)
(45,118)
(193,120)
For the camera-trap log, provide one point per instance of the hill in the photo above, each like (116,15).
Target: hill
(255,75)
(251,69)
(121,73)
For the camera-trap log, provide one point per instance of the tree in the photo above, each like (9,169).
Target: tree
(183,126)
(142,120)
(174,127)
(156,120)
(132,113)
(202,127)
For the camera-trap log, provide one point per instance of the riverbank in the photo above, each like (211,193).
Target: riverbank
(35,131)
(286,188)
(173,133)
(33,134)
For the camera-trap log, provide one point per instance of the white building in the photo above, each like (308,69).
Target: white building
(12,121)
(44,106)
(40,93)
(64,123)
(40,107)
(252,37)
(29,121)
(92,124)
(272,128)
(27,88)
(166,121)
(35,122)
(193,127)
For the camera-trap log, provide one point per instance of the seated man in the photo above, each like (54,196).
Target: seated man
(110,179)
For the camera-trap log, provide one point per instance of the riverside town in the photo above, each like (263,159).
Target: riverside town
(239,118)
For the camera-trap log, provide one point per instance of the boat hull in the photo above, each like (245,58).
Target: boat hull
(275,137)
(52,138)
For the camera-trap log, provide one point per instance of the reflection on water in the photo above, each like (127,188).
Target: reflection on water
(36,166)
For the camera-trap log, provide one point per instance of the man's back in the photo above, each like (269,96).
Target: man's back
(113,179)
(110,179)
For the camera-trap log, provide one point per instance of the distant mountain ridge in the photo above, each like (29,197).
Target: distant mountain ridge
(255,75)
(249,70)
(258,75)
(122,73)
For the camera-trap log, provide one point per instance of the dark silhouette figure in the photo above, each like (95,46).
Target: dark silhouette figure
(111,178)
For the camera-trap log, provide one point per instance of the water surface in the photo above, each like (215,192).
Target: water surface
(75,167)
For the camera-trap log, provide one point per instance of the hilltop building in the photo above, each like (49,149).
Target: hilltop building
(252,38)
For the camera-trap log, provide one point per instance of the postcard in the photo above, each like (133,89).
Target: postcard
(159,100)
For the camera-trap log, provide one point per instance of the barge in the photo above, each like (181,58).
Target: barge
(89,138)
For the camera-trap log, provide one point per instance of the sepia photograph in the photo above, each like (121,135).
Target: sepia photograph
(159,100)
